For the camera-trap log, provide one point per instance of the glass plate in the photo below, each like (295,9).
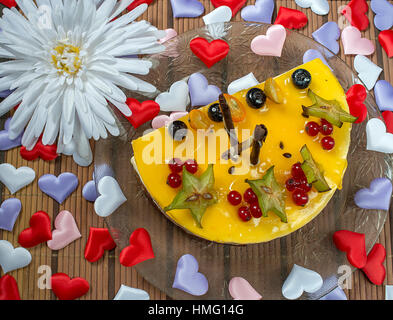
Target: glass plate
(264,265)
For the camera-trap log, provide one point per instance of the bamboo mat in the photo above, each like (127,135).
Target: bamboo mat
(106,275)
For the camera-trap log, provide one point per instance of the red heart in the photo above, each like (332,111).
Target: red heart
(374,269)
(99,240)
(355,98)
(136,3)
(45,152)
(388,117)
(385,38)
(142,112)
(66,288)
(209,52)
(139,250)
(356,13)
(39,231)
(235,5)
(291,18)
(8,288)
(354,245)
(8,3)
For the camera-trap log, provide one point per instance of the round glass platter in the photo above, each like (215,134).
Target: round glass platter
(266,265)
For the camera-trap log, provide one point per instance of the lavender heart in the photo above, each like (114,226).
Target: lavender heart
(89,191)
(377,196)
(383,10)
(9,212)
(187,8)
(201,92)
(262,11)
(336,294)
(312,54)
(58,188)
(5,93)
(328,36)
(383,91)
(5,142)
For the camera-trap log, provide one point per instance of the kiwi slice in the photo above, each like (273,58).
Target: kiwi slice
(330,110)
(271,195)
(197,194)
(313,171)
(273,91)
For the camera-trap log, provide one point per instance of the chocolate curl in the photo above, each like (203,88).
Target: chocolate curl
(259,138)
(228,122)
(232,154)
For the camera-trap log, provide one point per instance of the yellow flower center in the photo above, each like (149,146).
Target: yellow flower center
(65,58)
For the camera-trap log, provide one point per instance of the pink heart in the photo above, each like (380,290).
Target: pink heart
(163,120)
(170,33)
(65,231)
(270,44)
(241,289)
(353,42)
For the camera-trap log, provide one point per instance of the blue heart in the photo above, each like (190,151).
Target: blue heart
(262,11)
(328,35)
(376,197)
(58,188)
(5,142)
(9,212)
(187,8)
(383,10)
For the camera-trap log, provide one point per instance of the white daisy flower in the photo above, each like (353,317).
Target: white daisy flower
(67,60)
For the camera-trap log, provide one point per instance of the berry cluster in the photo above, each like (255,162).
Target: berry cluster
(326,129)
(248,210)
(298,185)
(174,179)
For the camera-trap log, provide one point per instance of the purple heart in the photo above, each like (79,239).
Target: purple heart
(383,10)
(187,8)
(200,91)
(336,294)
(377,196)
(328,35)
(312,54)
(89,191)
(5,142)
(188,278)
(9,211)
(58,188)
(262,11)
(383,91)
(5,93)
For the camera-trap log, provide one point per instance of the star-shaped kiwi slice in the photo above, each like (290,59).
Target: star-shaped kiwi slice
(271,195)
(329,110)
(197,194)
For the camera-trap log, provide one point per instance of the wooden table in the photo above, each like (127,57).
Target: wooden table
(106,275)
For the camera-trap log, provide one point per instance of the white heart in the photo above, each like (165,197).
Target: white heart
(128,293)
(245,82)
(299,280)
(221,14)
(377,137)
(111,197)
(12,259)
(320,7)
(177,99)
(16,179)
(367,71)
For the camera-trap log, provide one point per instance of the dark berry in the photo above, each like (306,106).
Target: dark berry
(244,214)
(250,196)
(255,210)
(300,197)
(175,165)
(178,130)
(234,198)
(290,184)
(256,98)
(326,127)
(191,166)
(301,78)
(312,128)
(327,143)
(215,113)
(297,171)
(174,180)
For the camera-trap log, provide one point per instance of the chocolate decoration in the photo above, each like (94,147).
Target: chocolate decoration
(232,154)
(259,138)
(287,155)
(228,122)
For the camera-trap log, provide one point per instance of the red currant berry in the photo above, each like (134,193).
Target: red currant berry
(255,210)
(303,184)
(300,197)
(234,198)
(244,214)
(290,184)
(249,196)
(327,143)
(175,165)
(174,180)
(191,166)
(312,128)
(326,127)
(297,171)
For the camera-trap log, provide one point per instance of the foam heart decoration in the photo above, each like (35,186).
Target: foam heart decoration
(128,293)
(385,38)
(354,244)
(9,212)
(177,99)
(137,3)
(201,92)
(139,250)
(9,288)
(377,196)
(328,35)
(388,292)
(291,18)
(241,289)
(5,142)
(98,242)
(163,120)
(312,54)
(44,152)
(388,118)
(89,191)
(58,188)
(320,7)
(356,13)
(66,231)
(262,11)
(270,44)
(142,112)
(245,82)
(209,53)
(356,95)
(377,137)
(383,10)
(235,5)
(187,8)
(169,34)
(336,294)
(299,280)
(66,288)
(219,15)
(187,277)
(383,92)
(374,268)
(39,231)
(353,42)
(13,259)
(367,71)
(111,197)
(15,179)
(8,3)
